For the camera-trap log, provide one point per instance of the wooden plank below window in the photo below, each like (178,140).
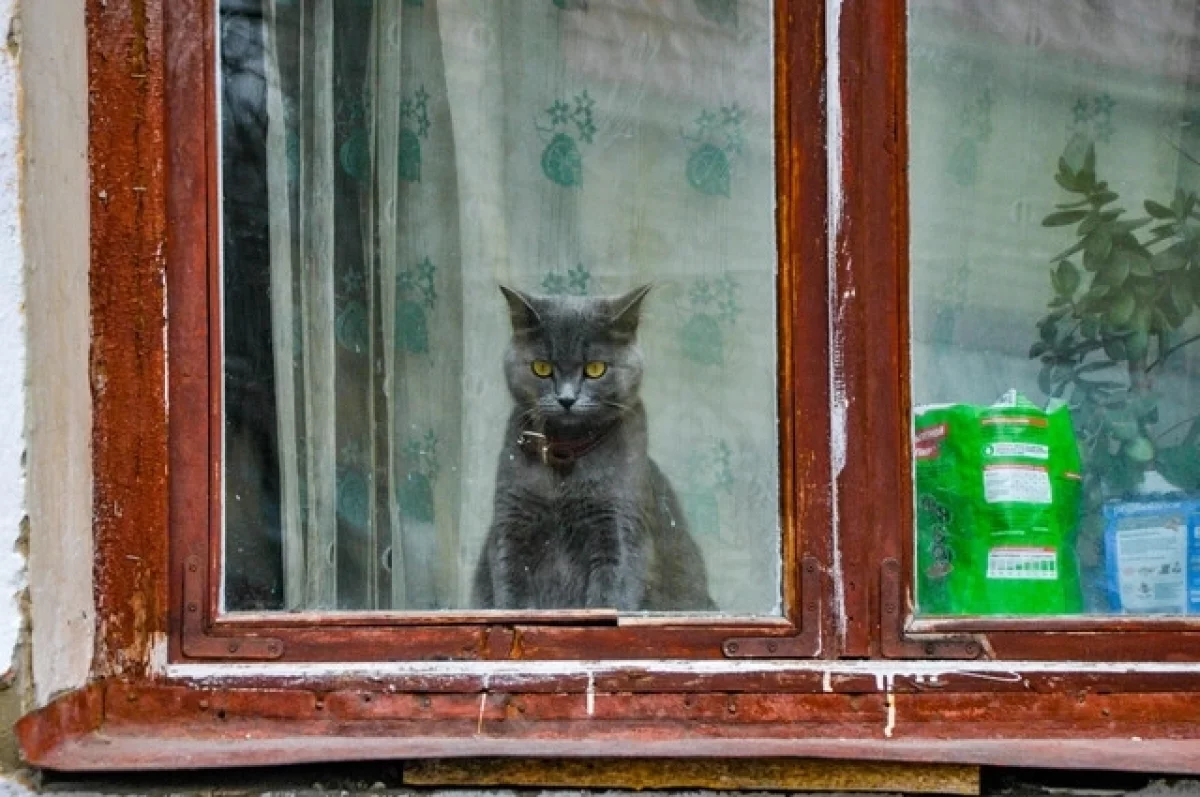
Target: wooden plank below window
(795,774)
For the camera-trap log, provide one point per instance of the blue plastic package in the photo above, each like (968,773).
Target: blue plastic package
(1152,556)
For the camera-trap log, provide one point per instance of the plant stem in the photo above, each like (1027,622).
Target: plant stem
(1171,351)
(1139,376)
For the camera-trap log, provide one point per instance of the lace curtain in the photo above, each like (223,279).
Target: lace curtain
(422,152)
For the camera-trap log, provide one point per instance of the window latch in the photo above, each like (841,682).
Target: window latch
(806,644)
(196,640)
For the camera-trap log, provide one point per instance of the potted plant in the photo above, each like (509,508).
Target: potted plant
(1126,299)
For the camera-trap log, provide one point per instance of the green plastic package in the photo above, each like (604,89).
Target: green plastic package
(998,497)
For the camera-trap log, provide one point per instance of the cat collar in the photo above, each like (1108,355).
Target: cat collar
(558,453)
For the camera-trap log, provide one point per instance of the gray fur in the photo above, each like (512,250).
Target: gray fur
(607,531)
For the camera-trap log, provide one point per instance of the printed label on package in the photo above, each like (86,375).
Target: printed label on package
(1016,484)
(1017,562)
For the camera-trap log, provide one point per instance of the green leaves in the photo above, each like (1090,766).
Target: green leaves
(1178,297)
(1180,465)
(1120,311)
(1172,258)
(1066,279)
(1063,218)
(1122,290)
(1140,450)
(1158,211)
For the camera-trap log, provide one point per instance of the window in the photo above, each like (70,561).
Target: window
(829,208)
(477,263)
(388,169)
(1056,376)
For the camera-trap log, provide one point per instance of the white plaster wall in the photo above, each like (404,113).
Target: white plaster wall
(56,219)
(12,348)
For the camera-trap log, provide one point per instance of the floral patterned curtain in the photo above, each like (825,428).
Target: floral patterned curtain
(421,152)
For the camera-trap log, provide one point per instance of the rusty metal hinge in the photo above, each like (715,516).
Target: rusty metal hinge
(806,644)
(198,643)
(896,644)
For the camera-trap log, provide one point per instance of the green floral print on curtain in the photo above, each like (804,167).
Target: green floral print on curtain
(415,124)
(562,162)
(416,487)
(573,283)
(712,308)
(722,12)
(710,473)
(1092,117)
(415,298)
(351,325)
(718,137)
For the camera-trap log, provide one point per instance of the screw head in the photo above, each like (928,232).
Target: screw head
(192,607)
(772,647)
(731,647)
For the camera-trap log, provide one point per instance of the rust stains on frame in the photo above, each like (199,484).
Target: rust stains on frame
(128,301)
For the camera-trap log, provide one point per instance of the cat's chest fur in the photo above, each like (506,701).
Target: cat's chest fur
(560,523)
(557,504)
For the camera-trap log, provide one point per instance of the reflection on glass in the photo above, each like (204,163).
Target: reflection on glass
(400,434)
(1056,305)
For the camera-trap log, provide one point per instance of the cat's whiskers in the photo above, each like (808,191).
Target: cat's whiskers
(531,416)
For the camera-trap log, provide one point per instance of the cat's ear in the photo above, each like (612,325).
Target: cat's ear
(520,310)
(627,311)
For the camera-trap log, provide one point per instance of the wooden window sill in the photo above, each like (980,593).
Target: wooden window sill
(112,726)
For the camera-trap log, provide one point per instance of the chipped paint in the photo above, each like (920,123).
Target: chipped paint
(837,384)
(12,352)
(889,726)
(882,672)
(483,696)
(158,659)
(591,694)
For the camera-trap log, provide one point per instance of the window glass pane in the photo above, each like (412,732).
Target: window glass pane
(1056,305)
(399,433)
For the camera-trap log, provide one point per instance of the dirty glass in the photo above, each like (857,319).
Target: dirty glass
(385,168)
(1055,261)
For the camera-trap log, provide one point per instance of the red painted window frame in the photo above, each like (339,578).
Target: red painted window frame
(154,220)
(199,631)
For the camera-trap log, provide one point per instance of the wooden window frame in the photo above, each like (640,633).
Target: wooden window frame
(200,631)
(174,686)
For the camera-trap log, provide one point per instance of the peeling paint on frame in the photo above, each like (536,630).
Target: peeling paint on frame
(839,401)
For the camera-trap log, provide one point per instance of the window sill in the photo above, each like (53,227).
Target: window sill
(112,726)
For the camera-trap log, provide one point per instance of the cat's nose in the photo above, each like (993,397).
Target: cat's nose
(566,401)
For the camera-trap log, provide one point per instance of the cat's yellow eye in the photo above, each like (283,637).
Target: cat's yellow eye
(542,369)
(595,369)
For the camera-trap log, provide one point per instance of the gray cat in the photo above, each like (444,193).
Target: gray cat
(583,517)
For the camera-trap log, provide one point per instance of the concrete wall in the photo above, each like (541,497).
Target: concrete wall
(45,399)
(54,79)
(12,389)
